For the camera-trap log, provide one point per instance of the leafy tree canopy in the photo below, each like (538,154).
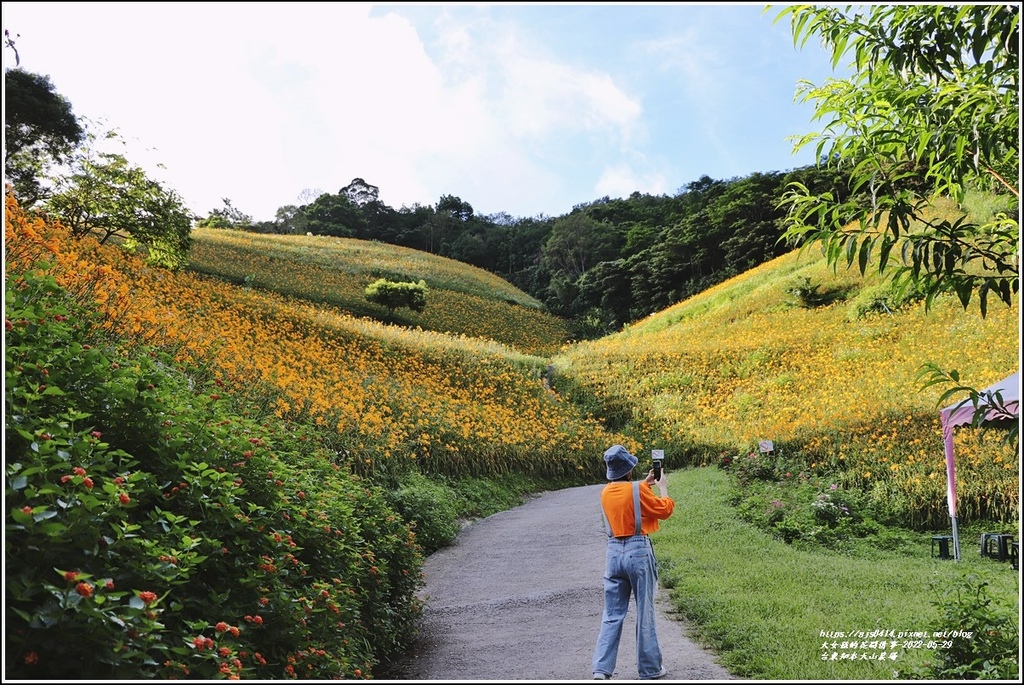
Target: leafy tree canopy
(335,215)
(360,192)
(40,129)
(391,294)
(290,219)
(577,242)
(932,110)
(455,206)
(227,217)
(108,196)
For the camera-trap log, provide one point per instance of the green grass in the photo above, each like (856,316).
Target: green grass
(763,605)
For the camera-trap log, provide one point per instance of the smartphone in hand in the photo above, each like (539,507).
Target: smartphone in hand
(657,457)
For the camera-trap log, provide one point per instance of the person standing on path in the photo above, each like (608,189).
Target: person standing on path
(632,512)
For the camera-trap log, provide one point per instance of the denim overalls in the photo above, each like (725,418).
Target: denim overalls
(630,568)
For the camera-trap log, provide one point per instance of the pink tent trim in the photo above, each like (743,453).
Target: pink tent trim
(962,413)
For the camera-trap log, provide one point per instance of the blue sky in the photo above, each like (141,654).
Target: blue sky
(527,108)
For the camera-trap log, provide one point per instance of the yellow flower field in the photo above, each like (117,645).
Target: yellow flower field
(736,364)
(741,363)
(462,299)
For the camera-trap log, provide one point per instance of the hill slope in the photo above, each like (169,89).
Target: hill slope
(388,399)
(462,299)
(824,364)
(797,354)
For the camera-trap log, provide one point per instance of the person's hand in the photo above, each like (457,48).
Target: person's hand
(650,477)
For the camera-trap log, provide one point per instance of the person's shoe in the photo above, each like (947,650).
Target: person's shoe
(660,674)
(602,676)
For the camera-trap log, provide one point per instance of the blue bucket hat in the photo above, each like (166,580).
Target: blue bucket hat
(619,461)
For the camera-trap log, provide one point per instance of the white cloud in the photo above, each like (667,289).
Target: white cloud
(258,101)
(524,108)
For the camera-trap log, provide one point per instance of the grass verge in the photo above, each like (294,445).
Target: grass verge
(769,609)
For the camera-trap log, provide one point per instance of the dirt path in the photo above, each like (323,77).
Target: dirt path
(519,597)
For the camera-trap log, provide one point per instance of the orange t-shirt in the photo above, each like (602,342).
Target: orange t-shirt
(617,501)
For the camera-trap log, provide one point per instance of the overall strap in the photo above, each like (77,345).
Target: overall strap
(636,504)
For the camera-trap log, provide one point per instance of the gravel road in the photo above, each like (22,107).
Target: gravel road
(519,597)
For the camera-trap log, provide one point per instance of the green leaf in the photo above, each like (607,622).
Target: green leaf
(53,530)
(864,255)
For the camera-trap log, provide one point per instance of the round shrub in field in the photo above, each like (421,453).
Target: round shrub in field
(155,530)
(394,295)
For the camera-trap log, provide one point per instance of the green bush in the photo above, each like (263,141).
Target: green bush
(153,531)
(976,639)
(412,295)
(788,500)
(809,295)
(480,497)
(881,298)
(430,506)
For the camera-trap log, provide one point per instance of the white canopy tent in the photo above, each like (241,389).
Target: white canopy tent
(999,401)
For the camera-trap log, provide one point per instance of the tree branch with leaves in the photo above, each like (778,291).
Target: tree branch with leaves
(931,111)
(107,196)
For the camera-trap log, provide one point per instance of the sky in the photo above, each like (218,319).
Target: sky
(526,109)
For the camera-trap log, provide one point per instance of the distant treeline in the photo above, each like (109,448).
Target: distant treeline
(604,264)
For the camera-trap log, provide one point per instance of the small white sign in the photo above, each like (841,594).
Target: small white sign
(658,454)
(767,446)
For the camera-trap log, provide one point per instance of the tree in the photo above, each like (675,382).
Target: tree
(360,192)
(290,219)
(308,195)
(578,242)
(9,43)
(393,294)
(607,287)
(382,222)
(931,111)
(456,207)
(40,130)
(109,197)
(335,215)
(228,217)
(749,220)
(451,218)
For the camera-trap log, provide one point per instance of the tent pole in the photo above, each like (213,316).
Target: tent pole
(956,542)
